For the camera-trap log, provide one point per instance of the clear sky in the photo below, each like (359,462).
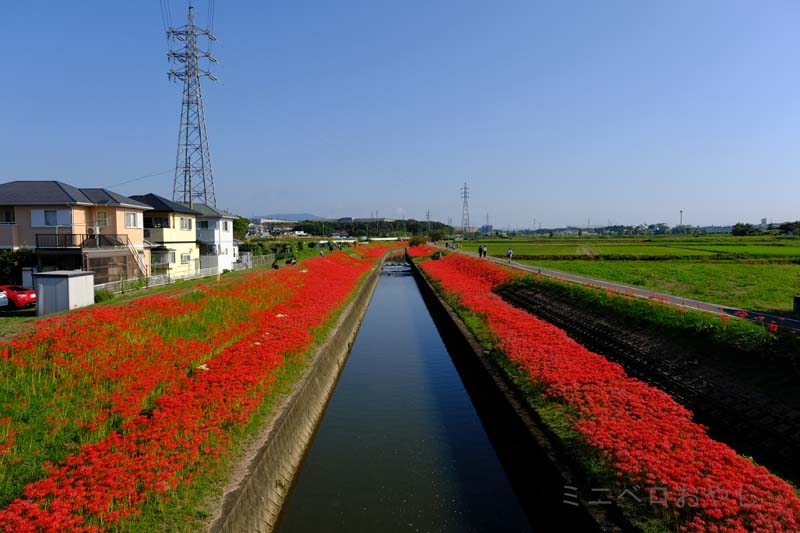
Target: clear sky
(566,112)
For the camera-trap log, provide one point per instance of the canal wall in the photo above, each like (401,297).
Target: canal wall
(254,503)
(539,467)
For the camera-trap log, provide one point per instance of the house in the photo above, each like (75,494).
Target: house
(72,229)
(171,227)
(215,237)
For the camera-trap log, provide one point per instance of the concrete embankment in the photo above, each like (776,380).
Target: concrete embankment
(253,503)
(541,470)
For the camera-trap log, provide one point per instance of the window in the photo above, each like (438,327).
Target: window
(203,224)
(156,222)
(186,223)
(102,219)
(224,225)
(7,215)
(133,220)
(50,218)
(163,258)
(185,258)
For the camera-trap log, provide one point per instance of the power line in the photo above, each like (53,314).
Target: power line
(154,174)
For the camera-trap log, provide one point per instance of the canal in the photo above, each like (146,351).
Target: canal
(400,446)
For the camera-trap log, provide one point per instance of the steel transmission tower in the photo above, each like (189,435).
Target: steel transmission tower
(465,212)
(193,177)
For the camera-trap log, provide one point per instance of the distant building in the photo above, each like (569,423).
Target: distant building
(269,226)
(716,229)
(486,229)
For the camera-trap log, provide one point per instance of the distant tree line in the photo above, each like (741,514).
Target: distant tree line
(394,228)
(786,228)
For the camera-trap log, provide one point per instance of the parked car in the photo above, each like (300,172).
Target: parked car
(19,296)
(3,299)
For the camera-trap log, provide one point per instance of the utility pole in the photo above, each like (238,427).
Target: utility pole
(428,218)
(465,211)
(193,177)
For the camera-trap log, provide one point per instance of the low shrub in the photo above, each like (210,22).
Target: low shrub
(103,295)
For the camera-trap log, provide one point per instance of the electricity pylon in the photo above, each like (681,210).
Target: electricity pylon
(193,177)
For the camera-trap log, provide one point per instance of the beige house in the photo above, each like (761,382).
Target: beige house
(75,229)
(171,227)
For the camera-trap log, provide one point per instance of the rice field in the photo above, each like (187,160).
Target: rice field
(758,273)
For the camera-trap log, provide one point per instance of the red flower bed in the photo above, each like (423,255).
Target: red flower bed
(377,249)
(422,250)
(194,413)
(648,438)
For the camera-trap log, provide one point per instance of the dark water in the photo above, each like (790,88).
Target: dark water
(400,447)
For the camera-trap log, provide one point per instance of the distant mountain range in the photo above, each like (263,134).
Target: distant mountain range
(290,216)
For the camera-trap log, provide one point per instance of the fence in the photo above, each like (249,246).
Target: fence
(133,284)
(260,260)
(127,285)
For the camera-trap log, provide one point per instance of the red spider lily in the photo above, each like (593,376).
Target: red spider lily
(422,250)
(194,414)
(647,437)
(375,250)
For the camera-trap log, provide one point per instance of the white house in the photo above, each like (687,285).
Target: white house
(215,237)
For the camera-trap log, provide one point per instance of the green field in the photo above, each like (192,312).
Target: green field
(716,247)
(761,287)
(758,273)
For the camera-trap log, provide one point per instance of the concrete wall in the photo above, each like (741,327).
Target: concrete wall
(253,506)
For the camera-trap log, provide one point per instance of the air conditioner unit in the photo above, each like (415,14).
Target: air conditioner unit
(90,231)
(93,230)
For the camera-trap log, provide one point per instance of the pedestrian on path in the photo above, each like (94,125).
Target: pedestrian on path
(509,254)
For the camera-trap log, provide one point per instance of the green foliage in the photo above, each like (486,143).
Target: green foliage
(745,229)
(394,228)
(416,240)
(436,235)
(103,295)
(12,262)
(240,225)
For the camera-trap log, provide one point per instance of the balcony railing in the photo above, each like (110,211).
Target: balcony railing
(81,240)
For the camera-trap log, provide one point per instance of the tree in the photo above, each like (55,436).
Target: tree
(240,227)
(436,235)
(12,262)
(741,229)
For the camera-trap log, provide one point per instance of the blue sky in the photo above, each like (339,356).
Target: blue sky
(565,112)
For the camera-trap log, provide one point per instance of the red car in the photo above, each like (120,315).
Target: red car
(19,296)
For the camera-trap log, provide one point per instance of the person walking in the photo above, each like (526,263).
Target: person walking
(509,254)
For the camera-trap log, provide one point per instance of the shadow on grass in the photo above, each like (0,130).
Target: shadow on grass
(14,312)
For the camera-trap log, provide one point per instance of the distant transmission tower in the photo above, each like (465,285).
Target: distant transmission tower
(465,212)
(193,177)
(428,218)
